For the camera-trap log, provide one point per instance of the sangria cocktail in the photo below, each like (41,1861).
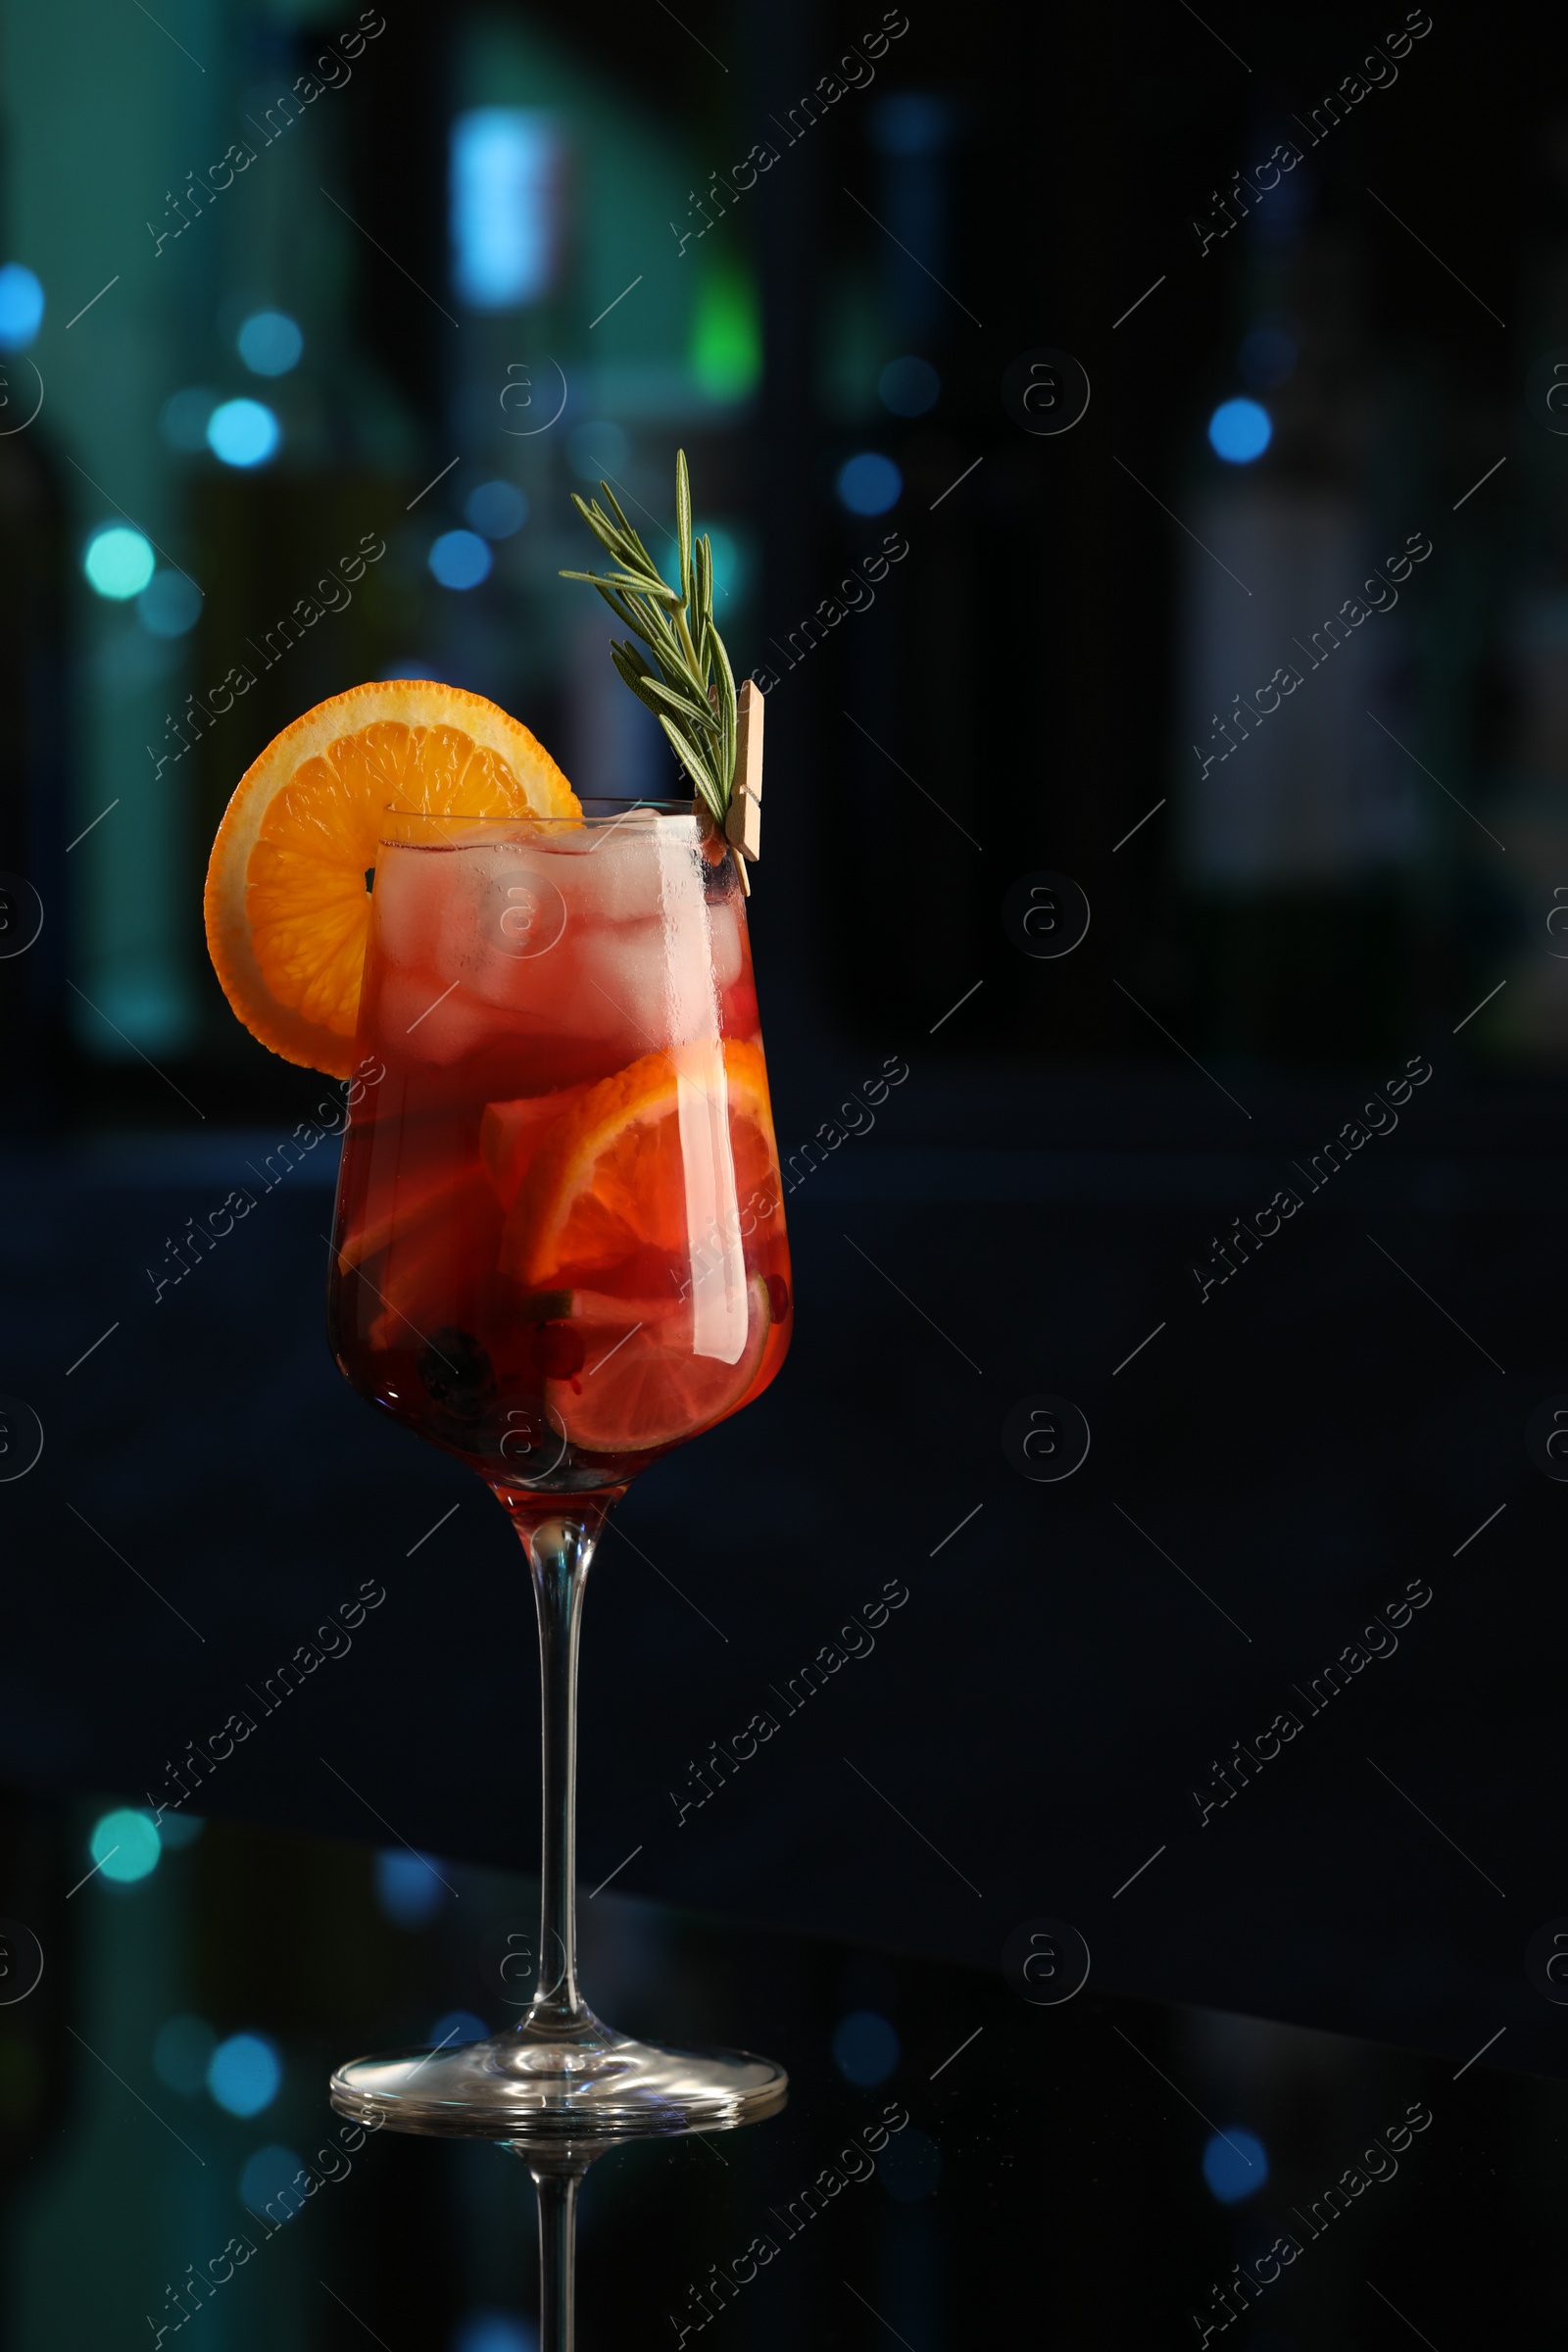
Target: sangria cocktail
(560,1245)
(559,1241)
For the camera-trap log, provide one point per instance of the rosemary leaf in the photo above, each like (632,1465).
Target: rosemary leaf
(629,584)
(683,524)
(682,705)
(693,765)
(688,684)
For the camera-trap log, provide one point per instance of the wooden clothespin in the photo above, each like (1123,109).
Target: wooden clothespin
(742,825)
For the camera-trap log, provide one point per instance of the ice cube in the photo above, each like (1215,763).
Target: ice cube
(691,1000)
(418,1017)
(611,873)
(621,970)
(412,886)
(725,932)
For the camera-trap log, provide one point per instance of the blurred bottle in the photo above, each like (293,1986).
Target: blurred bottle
(301,452)
(1295,804)
(34,743)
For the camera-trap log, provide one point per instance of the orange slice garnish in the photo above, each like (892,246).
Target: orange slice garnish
(649,1388)
(287,902)
(606,1186)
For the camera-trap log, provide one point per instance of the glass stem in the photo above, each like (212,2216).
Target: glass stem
(556,2193)
(559,1551)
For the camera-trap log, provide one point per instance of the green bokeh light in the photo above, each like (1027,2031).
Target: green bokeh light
(118,562)
(125,1845)
(726,334)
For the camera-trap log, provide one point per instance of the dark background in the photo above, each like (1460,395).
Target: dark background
(1282,1459)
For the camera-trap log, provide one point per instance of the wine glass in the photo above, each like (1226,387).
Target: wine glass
(558,1251)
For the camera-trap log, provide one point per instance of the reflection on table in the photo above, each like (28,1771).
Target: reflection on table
(956,2166)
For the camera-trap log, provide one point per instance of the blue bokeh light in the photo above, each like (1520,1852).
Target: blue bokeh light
(183,2049)
(506,205)
(21,307)
(497,509)
(865,2048)
(125,1845)
(869,484)
(243,432)
(119,563)
(407,1888)
(1268,357)
(269,343)
(911,122)
(597,448)
(461,559)
(495,2332)
(169,606)
(456,2026)
(268,2180)
(243,2073)
(1240,431)
(908,387)
(175,1830)
(184,417)
(1235,2164)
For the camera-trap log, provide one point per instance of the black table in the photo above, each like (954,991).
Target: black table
(1097,2169)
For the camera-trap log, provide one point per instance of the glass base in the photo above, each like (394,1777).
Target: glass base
(585,2082)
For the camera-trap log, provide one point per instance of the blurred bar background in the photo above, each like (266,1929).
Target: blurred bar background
(1266,653)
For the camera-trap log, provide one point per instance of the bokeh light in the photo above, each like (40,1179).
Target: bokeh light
(1235,2164)
(730,561)
(182,2049)
(597,448)
(869,484)
(268,2180)
(243,432)
(183,418)
(125,1845)
(1240,431)
(118,562)
(495,2332)
(21,307)
(461,559)
(726,350)
(1266,358)
(908,387)
(505,198)
(407,1888)
(243,2073)
(458,2026)
(269,343)
(911,122)
(169,606)
(865,2048)
(497,509)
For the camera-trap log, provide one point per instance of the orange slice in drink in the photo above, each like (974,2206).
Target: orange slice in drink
(510,1134)
(647,1388)
(606,1184)
(288,900)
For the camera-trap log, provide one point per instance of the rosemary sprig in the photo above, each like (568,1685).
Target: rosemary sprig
(688,685)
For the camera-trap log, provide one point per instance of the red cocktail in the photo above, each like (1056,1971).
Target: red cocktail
(560,1241)
(560,1252)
